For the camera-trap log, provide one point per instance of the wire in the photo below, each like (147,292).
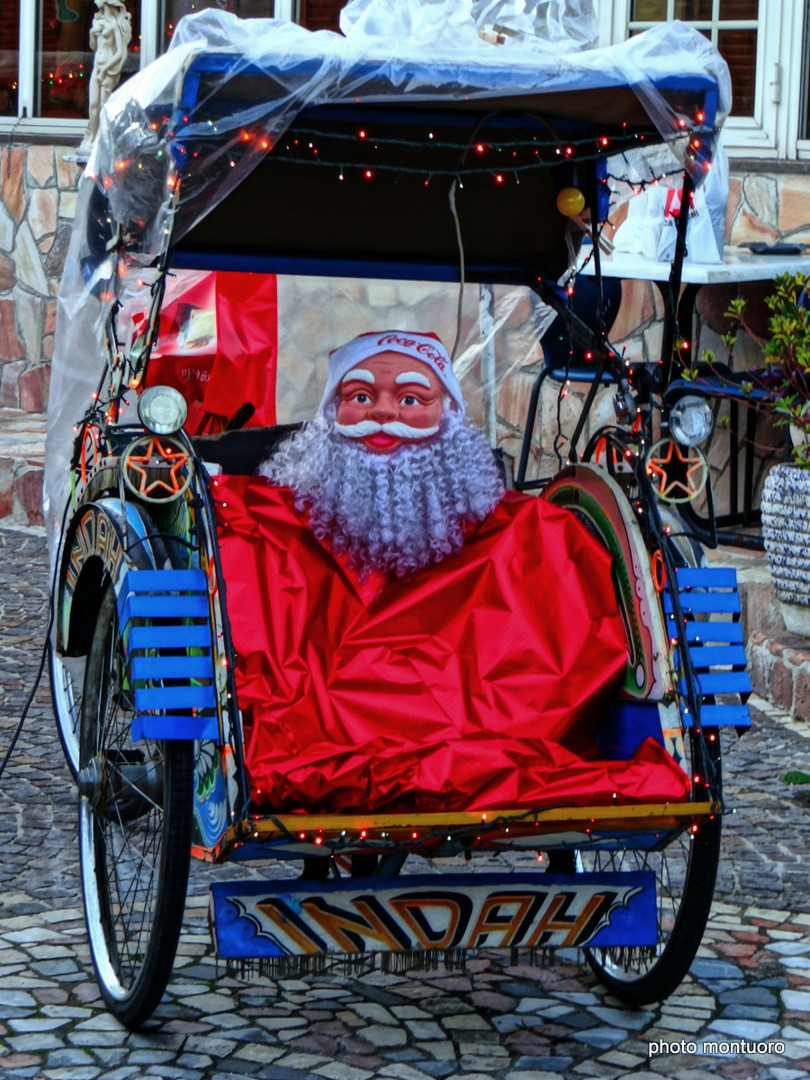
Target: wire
(462,270)
(43,658)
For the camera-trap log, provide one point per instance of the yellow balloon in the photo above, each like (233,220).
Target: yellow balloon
(570,202)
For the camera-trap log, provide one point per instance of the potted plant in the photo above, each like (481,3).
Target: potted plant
(786,493)
(782,387)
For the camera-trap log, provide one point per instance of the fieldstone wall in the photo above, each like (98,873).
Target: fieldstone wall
(37,204)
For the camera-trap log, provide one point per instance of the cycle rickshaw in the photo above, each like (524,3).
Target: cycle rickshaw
(262,150)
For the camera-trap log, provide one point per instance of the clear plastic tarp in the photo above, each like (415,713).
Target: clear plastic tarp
(447,50)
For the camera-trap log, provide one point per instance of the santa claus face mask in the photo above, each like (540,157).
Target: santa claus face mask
(387,400)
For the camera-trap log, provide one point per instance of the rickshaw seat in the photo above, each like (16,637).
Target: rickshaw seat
(479,683)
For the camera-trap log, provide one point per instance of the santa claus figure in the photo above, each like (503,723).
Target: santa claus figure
(408,635)
(390,472)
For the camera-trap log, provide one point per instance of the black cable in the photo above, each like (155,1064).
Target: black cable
(45,650)
(30,698)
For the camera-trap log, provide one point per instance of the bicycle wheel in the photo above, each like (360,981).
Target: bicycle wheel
(685,873)
(67,680)
(135,820)
(67,672)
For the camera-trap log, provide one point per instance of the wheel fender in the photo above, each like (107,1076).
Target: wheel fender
(104,540)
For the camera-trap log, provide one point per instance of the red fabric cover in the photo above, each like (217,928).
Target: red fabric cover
(474,684)
(238,366)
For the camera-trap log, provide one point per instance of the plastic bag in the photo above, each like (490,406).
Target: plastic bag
(650,227)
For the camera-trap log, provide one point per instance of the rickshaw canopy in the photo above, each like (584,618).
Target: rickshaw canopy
(256,145)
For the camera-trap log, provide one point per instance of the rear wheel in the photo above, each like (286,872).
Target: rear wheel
(685,873)
(135,820)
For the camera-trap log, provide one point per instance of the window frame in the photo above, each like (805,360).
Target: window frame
(26,123)
(780,81)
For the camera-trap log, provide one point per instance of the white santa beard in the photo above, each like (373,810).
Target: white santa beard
(394,512)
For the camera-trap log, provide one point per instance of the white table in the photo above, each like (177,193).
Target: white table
(738,265)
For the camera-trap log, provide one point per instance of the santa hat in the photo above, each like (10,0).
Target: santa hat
(426,348)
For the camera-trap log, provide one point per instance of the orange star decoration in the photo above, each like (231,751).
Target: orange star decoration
(677,472)
(165,458)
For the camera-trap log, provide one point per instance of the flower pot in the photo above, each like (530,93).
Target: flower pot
(786,532)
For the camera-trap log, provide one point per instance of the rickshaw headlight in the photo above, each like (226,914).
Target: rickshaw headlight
(162,410)
(691,420)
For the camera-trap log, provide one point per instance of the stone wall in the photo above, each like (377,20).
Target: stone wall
(37,203)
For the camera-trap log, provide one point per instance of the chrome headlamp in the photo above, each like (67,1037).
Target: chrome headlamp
(162,410)
(691,420)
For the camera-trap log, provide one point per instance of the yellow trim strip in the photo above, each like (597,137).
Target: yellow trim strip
(294,824)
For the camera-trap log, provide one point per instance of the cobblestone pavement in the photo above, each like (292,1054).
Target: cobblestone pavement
(751,981)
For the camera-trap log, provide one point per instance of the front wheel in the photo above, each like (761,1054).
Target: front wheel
(685,872)
(135,820)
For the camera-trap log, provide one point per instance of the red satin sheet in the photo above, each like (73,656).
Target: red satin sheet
(475,684)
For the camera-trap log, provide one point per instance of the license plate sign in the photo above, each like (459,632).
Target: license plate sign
(441,912)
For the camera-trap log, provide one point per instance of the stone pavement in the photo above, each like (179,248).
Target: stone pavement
(750,983)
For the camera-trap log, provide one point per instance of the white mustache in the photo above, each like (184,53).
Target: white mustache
(394,427)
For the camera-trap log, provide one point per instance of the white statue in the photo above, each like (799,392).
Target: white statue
(110,36)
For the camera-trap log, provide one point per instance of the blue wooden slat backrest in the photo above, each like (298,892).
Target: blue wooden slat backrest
(164,617)
(716,646)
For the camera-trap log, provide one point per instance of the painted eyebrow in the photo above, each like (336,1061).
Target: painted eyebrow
(358,375)
(413,377)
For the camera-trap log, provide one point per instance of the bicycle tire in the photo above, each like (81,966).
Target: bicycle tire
(66,689)
(685,872)
(135,823)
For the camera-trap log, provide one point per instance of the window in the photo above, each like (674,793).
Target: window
(762,44)
(9,62)
(65,57)
(805,120)
(730,25)
(46,57)
(321,14)
(174,10)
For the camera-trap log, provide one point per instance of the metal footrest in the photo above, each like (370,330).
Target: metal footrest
(711,606)
(165,622)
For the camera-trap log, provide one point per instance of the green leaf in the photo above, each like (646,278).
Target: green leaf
(795,777)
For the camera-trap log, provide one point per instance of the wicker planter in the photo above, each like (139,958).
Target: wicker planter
(786,532)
